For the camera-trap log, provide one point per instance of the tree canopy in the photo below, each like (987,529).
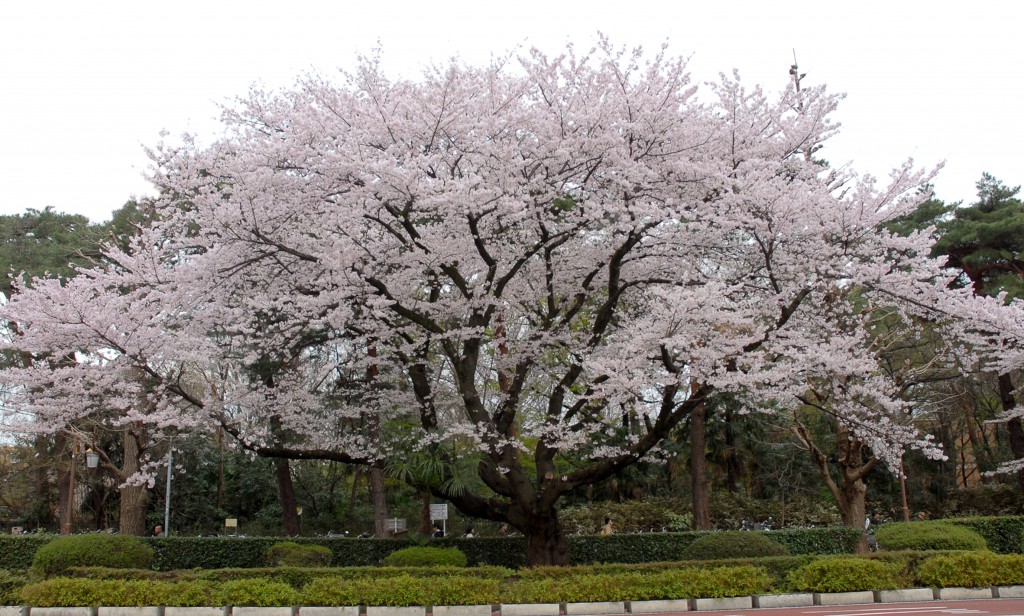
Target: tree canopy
(542,265)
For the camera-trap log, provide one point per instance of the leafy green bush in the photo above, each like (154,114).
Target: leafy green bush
(291,554)
(972,569)
(846,574)
(1004,534)
(930,535)
(118,551)
(402,590)
(71,592)
(426,557)
(258,592)
(733,544)
(17,551)
(672,583)
(10,584)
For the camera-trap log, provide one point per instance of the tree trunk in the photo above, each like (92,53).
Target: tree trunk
(545,542)
(699,468)
(134,498)
(853,509)
(378,496)
(43,507)
(732,459)
(286,494)
(66,481)
(1014,427)
(426,524)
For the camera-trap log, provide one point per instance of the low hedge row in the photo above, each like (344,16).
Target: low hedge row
(402,590)
(1004,535)
(573,584)
(169,553)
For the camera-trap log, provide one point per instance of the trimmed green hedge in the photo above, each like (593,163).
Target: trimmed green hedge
(400,590)
(734,544)
(846,574)
(928,535)
(119,551)
(973,569)
(1004,534)
(426,556)
(17,551)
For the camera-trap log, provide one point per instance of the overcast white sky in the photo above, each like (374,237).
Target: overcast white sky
(85,85)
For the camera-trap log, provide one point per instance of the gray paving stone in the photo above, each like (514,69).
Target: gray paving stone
(844,598)
(659,606)
(461,610)
(195,611)
(904,595)
(529,609)
(724,603)
(248,610)
(1009,592)
(949,594)
(128,611)
(380,610)
(601,607)
(801,599)
(62,611)
(351,610)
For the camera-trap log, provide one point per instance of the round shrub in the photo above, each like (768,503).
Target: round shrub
(291,554)
(426,557)
(115,551)
(733,544)
(929,535)
(846,574)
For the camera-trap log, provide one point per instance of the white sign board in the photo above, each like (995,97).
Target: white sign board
(439,512)
(231,522)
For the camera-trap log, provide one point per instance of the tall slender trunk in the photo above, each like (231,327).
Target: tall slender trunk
(286,494)
(426,524)
(378,496)
(134,498)
(1014,427)
(699,468)
(732,458)
(42,510)
(66,481)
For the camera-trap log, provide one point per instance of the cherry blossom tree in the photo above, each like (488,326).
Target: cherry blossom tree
(498,264)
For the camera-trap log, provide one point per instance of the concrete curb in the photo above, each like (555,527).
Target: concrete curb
(659,606)
(248,610)
(593,608)
(196,611)
(844,598)
(802,599)
(949,594)
(461,610)
(724,603)
(904,595)
(330,611)
(1008,592)
(395,611)
(530,609)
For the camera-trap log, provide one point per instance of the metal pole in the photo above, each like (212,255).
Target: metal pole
(167,496)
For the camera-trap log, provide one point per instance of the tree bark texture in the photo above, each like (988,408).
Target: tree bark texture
(286,494)
(1013,426)
(699,468)
(134,498)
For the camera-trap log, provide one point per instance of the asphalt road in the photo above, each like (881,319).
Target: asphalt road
(981,607)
